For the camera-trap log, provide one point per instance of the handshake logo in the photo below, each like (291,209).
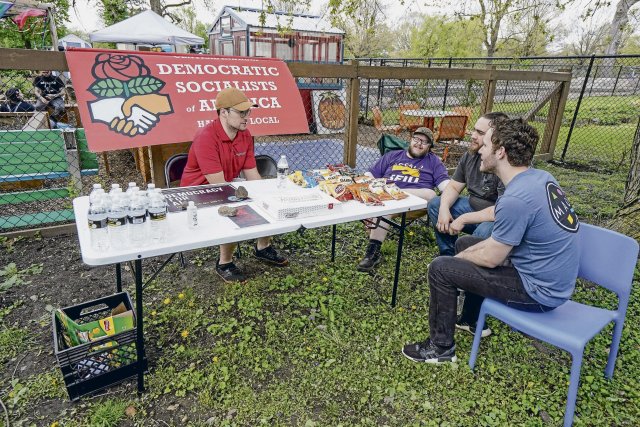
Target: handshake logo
(128,95)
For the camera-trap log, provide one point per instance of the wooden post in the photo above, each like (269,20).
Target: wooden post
(488,93)
(52,28)
(353,104)
(554,120)
(73,158)
(156,163)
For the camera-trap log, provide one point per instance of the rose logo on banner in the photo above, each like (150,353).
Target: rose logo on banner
(128,95)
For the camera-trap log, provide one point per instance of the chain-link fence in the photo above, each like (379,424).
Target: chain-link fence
(601,114)
(43,167)
(44,159)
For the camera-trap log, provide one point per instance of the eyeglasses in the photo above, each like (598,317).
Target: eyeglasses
(420,141)
(242,114)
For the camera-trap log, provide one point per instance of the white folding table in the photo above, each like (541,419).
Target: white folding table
(214,230)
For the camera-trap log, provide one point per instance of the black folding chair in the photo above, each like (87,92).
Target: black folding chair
(174,167)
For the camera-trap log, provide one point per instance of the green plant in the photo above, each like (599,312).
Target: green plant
(108,413)
(12,276)
(9,242)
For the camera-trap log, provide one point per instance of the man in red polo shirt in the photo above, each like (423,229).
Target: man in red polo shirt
(220,151)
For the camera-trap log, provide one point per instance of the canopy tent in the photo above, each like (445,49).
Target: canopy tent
(146,28)
(71,40)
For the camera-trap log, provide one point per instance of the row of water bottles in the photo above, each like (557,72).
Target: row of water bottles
(120,219)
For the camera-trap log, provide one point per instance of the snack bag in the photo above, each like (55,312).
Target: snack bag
(297,178)
(336,190)
(377,187)
(362,179)
(369,198)
(395,192)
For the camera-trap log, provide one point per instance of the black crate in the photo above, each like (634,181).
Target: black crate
(87,368)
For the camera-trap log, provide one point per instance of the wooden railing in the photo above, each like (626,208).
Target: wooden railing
(352,73)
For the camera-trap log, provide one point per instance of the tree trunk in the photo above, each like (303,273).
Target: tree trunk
(620,19)
(156,6)
(627,219)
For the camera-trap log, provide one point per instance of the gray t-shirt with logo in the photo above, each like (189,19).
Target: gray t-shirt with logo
(535,217)
(483,188)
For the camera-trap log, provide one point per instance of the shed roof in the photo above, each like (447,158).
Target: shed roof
(297,21)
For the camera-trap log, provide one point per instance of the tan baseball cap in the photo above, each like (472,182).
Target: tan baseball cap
(426,132)
(233,98)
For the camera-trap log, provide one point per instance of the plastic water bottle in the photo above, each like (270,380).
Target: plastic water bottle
(117,220)
(136,217)
(192,215)
(283,171)
(97,220)
(157,216)
(114,188)
(95,193)
(131,187)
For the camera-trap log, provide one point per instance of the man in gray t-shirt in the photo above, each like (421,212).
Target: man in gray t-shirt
(450,213)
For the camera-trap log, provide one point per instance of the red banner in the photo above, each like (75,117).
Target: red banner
(134,99)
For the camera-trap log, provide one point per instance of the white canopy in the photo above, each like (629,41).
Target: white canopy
(145,28)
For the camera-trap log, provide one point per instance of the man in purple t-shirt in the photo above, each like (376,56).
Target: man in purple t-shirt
(416,171)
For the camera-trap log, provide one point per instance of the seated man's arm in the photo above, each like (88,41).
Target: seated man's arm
(447,199)
(251,174)
(488,253)
(215,178)
(424,193)
(485,215)
(39,95)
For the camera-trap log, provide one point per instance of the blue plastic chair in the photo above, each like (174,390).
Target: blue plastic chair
(608,259)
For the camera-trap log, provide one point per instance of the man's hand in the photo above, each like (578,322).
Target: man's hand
(456,226)
(444,220)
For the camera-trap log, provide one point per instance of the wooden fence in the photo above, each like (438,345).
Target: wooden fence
(352,74)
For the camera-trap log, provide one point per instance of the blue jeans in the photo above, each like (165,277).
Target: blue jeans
(448,274)
(446,243)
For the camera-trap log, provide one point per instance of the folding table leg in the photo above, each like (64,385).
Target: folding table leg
(139,323)
(119,277)
(398,259)
(333,243)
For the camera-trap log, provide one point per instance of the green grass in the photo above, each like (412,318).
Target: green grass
(317,344)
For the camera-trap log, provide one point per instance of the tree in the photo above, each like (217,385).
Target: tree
(618,24)
(590,40)
(186,18)
(365,34)
(628,217)
(441,36)
(35,33)
(495,14)
(528,32)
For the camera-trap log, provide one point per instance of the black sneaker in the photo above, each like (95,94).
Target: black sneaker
(372,257)
(270,255)
(230,272)
(428,352)
(463,325)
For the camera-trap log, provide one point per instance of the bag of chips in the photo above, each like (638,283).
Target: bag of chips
(395,192)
